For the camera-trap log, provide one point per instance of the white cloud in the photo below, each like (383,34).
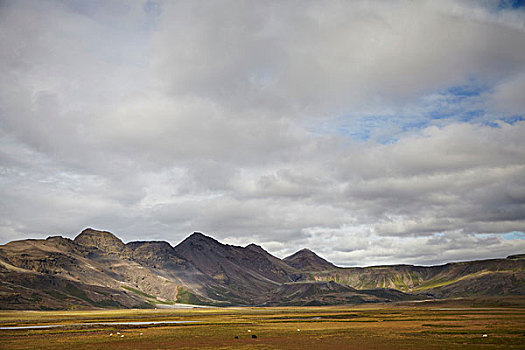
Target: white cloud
(508,95)
(239,119)
(330,57)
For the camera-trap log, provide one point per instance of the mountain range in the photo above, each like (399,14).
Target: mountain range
(97,269)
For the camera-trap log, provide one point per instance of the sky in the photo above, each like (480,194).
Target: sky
(372,132)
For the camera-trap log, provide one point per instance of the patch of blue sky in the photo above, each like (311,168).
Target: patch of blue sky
(473,88)
(415,125)
(463,103)
(469,116)
(460,103)
(508,236)
(492,124)
(513,119)
(514,235)
(361,134)
(379,128)
(510,5)
(359,128)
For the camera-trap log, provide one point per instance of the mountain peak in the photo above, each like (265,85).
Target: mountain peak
(255,247)
(307,260)
(197,239)
(103,240)
(201,237)
(305,251)
(198,235)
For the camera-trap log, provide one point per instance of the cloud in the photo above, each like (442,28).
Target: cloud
(362,130)
(506,96)
(330,57)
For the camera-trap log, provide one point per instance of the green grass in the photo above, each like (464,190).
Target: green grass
(138,292)
(342,327)
(186,297)
(435,283)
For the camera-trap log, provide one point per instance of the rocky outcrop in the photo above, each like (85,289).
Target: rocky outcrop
(102,240)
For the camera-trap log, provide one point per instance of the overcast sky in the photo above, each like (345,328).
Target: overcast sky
(370,132)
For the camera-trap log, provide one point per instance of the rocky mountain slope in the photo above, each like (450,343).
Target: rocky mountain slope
(472,278)
(306,260)
(97,269)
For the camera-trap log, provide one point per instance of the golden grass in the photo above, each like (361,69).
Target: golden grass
(365,327)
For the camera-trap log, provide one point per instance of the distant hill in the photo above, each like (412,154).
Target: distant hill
(306,260)
(98,270)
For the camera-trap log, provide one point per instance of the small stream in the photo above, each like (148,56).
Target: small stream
(97,324)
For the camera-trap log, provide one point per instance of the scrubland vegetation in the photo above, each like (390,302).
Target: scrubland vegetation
(413,326)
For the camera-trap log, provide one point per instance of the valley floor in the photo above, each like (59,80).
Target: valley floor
(406,326)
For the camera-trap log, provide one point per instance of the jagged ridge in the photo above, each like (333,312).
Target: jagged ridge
(97,269)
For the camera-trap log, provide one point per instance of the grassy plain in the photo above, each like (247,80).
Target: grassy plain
(354,327)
